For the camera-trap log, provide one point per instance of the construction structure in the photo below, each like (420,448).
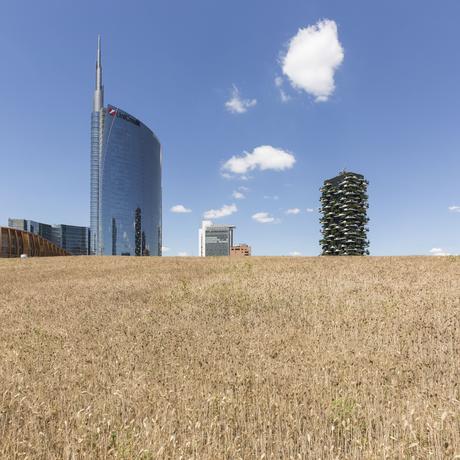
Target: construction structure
(240,250)
(344,204)
(15,243)
(215,239)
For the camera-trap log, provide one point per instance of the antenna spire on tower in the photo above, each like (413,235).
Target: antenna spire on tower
(98,102)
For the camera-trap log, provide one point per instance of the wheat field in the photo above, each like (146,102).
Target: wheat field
(228,358)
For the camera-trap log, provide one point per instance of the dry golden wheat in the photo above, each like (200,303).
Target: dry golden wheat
(230,358)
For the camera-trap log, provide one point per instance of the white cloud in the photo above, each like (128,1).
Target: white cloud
(238,195)
(180,209)
(279,83)
(309,210)
(271,197)
(264,158)
(182,254)
(165,249)
(438,252)
(293,211)
(264,218)
(238,105)
(225,210)
(284,96)
(228,176)
(295,253)
(454,208)
(313,56)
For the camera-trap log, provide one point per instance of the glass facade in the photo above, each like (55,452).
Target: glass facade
(37,228)
(18,224)
(73,239)
(218,240)
(125,185)
(97,120)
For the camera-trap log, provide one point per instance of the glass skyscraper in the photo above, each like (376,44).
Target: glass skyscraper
(125,181)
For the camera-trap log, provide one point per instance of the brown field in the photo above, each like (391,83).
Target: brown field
(230,358)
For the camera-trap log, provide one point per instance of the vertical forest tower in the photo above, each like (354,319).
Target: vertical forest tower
(344,215)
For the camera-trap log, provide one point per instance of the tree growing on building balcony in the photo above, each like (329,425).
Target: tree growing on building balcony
(344,204)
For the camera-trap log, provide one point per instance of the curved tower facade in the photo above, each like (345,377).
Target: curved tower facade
(125,181)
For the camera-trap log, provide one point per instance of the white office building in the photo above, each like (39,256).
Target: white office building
(215,239)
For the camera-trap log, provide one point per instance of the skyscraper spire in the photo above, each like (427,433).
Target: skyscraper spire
(98,102)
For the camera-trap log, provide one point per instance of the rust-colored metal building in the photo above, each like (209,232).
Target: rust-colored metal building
(14,243)
(240,250)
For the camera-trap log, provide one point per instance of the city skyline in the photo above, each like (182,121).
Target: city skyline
(247,139)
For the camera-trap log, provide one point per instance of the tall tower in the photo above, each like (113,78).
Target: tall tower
(344,215)
(126,159)
(97,129)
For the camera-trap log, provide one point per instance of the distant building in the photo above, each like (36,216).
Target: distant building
(73,239)
(37,228)
(344,215)
(215,240)
(16,243)
(240,250)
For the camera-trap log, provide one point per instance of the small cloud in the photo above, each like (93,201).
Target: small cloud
(238,105)
(454,208)
(238,195)
(263,158)
(271,197)
(279,83)
(225,210)
(165,249)
(293,211)
(309,210)
(182,254)
(264,218)
(243,188)
(295,253)
(228,176)
(180,209)
(284,96)
(313,56)
(438,252)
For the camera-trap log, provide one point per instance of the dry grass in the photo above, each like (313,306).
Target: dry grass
(224,358)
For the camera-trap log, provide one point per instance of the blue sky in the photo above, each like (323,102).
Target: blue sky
(393,116)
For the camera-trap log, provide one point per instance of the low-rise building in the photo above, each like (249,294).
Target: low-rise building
(240,250)
(19,243)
